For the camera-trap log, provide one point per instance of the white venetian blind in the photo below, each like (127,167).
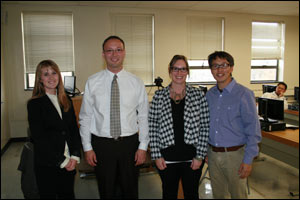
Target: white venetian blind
(205,35)
(48,36)
(137,33)
(267,40)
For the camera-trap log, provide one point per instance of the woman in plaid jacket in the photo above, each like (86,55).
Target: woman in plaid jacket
(179,128)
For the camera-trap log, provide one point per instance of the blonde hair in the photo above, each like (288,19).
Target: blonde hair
(39,89)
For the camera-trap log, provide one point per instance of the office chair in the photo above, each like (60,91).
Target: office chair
(248,188)
(294,195)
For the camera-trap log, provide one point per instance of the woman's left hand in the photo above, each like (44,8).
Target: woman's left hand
(196,164)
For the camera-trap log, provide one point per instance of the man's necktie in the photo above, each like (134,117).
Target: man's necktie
(115,119)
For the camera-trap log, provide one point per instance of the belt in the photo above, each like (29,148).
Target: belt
(223,149)
(120,138)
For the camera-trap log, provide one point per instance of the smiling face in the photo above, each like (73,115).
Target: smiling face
(50,79)
(221,74)
(179,72)
(114,54)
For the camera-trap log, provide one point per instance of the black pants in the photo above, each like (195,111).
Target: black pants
(55,183)
(116,172)
(190,180)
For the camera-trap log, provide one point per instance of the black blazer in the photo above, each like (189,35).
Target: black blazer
(49,132)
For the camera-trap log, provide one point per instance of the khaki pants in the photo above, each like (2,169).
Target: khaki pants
(223,170)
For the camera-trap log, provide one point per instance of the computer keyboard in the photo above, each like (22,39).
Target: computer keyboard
(294,106)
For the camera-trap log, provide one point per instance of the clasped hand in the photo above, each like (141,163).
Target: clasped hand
(161,164)
(71,165)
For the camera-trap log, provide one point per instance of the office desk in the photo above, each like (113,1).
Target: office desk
(289,137)
(292,112)
(282,145)
(291,117)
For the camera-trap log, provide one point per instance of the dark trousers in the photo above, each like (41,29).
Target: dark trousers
(116,172)
(190,180)
(55,183)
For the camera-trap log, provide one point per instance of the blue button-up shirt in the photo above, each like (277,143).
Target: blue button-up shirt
(233,119)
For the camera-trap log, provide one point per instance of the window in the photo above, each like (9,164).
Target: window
(267,52)
(47,36)
(264,70)
(199,72)
(137,31)
(205,36)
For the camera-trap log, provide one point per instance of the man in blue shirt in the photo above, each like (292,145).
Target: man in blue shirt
(234,130)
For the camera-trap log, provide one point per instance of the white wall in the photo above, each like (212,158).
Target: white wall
(5,133)
(92,26)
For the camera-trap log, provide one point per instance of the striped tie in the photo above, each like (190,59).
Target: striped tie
(115,122)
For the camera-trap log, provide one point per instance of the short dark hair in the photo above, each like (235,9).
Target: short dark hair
(283,83)
(110,38)
(220,54)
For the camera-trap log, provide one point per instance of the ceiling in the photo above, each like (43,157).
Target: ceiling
(287,8)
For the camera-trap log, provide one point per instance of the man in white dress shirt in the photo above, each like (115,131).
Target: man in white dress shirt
(278,94)
(115,160)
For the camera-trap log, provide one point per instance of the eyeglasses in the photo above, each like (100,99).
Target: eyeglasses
(177,69)
(110,51)
(222,66)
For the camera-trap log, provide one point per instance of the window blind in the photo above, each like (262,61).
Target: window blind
(137,33)
(48,36)
(267,40)
(205,35)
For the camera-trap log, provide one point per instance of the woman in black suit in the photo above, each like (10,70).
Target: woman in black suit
(54,133)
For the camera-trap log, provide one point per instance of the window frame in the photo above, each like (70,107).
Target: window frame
(278,58)
(114,16)
(27,74)
(205,65)
(276,67)
(203,58)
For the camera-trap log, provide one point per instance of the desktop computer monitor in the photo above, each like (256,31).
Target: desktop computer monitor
(270,109)
(296,94)
(70,84)
(203,88)
(268,88)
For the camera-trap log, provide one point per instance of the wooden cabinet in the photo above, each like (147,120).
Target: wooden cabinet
(77,100)
(83,168)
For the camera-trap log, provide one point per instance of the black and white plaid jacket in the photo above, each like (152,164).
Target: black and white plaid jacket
(196,121)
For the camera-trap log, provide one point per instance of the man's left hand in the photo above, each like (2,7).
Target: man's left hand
(140,157)
(245,170)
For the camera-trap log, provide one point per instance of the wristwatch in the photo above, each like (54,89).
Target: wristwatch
(198,158)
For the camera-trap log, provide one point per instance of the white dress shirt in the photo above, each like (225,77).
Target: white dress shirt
(273,95)
(94,116)
(54,100)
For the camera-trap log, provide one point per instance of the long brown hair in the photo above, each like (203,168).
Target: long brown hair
(39,89)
